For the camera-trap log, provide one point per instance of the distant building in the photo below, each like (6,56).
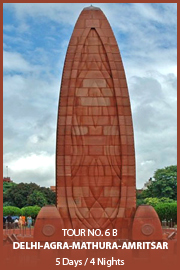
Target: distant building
(7,179)
(53,188)
(139,191)
(147,184)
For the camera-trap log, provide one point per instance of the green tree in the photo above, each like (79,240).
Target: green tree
(11,210)
(49,195)
(16,195)
(164,184)
(7,186)
(167,211)
(7,201)
(31,211)
(36,198)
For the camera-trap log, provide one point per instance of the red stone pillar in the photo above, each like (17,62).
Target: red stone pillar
(95,159)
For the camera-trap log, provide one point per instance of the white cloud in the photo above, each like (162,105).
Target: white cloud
(9,27)
(157,13)
(154,107)
(31,167)
(59,12)
(14,61)
(146,162)
(42,162)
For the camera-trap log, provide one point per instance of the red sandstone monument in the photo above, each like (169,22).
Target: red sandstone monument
(95,157)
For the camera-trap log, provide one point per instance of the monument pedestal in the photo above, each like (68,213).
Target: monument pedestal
(146,227)
(48,225)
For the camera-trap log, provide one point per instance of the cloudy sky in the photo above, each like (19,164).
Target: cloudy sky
(35,42)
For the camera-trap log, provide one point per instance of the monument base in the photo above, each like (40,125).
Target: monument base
(146,224)
(146,227)
(48,225)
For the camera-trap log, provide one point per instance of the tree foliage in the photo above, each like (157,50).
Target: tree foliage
(7,186)
(49,195)
(30,211)
(36,198)
(11,210)
(155,201)
(24,194)
(163,185)
(25,211)
(167,211)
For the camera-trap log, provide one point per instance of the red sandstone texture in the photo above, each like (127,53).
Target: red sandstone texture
(95,165)
(146,224)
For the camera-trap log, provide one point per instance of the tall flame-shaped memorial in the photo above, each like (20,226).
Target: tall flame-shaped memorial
(95,144)
(95,157)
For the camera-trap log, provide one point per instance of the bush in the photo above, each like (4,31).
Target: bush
(11,210)
(167,211)
(154,201)
(30,211)
(140,202)
(25,211)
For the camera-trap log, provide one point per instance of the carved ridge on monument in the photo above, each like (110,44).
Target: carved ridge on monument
(90,63)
